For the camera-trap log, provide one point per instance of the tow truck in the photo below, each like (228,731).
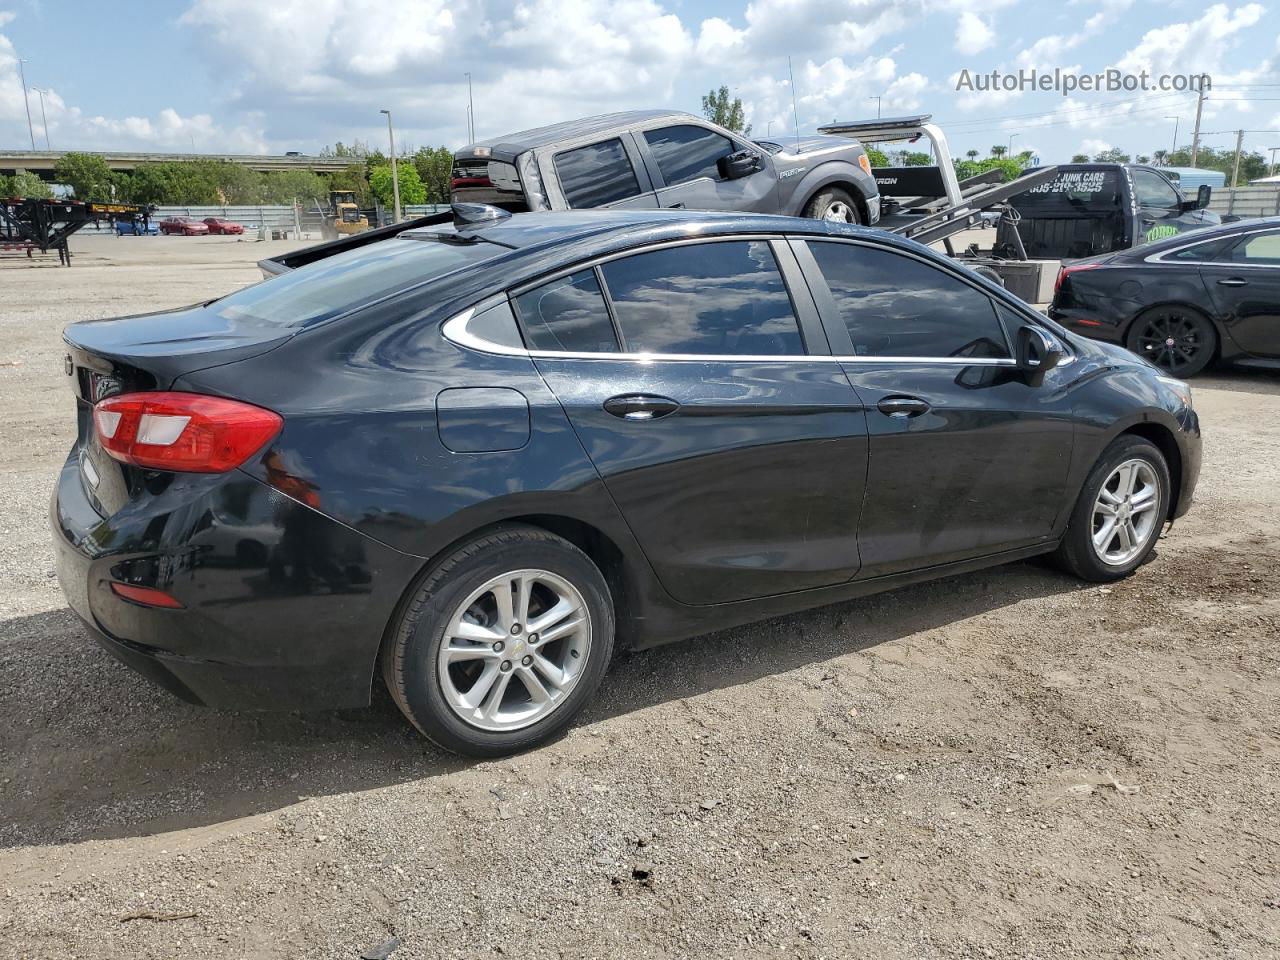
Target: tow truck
(28,224)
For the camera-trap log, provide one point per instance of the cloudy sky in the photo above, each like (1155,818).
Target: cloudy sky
(276,75)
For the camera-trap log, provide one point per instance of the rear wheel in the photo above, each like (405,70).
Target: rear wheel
(834,204)
(1175,338)
(1122,506)
(502,643)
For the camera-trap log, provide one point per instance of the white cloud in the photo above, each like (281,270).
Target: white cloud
(1198,45)
(973,34)
(1094,147)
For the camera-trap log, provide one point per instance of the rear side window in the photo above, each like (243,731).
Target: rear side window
(1200,252)
(568,315)
(709,298)
(897,306)
(687,153)
(338,284)
(596,175)
(1261,248)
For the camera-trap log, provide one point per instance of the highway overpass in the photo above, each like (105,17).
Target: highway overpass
(42,162)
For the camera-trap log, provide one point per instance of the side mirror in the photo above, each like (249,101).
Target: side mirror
(738,165)
(1202,196)
(1038,350)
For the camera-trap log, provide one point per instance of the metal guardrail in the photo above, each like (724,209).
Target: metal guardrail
(1262,201)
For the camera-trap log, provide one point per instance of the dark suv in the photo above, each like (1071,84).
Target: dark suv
(470,457)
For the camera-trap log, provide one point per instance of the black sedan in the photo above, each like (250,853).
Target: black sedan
(1185,301)
(470,458)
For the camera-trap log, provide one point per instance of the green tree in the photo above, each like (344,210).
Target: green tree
(1142,158)
(877,157)
(356,179)
(1079,158)
(287,186)
(1160,156)
(971,154)
(720,109)
(1111,155)
(411,186)
(87,174)
(999,150)
(913,158)
(24,184)
(435,168)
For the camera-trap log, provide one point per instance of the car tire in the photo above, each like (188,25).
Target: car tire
(1176,338)
(483,703)
(1088,549)
(835,204)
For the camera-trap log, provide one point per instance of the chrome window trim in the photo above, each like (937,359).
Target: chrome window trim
(455,331)
(1160,257)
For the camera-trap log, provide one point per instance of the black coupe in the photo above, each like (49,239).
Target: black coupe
(467,458)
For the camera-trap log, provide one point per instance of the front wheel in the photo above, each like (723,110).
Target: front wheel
(502,643)
(1174,338)
(833,204)
(1122,506)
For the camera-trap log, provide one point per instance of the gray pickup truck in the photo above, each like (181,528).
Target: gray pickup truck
(664,159)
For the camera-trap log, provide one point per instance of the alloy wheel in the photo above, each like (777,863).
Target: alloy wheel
(839,211)
(1171,340)
(514,650)
(1125,515)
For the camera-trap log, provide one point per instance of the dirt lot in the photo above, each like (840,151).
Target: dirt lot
(1006,764)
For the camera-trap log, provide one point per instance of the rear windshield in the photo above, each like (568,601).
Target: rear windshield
(328,288)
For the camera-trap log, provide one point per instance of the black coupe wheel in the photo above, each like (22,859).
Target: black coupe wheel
(1178,339)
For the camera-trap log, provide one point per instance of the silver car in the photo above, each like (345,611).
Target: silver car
(648,159)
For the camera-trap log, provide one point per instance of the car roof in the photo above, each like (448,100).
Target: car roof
(510,145)
(522,230)
(1203,234)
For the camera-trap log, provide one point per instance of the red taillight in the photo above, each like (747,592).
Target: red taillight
(183,432)
(149,596)
(1064,272)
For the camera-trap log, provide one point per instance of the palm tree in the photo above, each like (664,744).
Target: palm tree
(998,150)
(971,154)
(1160,156)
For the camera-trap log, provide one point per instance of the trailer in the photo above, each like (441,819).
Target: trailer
(29,224)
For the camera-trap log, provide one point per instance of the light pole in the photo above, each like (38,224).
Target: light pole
(877,100)
(26,102)
(471,112)
(395,173)
(43,119)
(1175,136)
(1011,136)
(1273,160)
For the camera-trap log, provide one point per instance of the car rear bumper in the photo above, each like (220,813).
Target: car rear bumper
(283,608)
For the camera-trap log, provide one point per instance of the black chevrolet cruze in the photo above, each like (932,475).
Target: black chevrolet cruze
(474,457)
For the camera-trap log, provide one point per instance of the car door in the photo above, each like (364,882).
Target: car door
(683,161)
(604,173)
(967,455)
(1244,282)
(697,376)
(1159,207)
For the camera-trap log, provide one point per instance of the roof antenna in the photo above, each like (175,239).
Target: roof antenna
(794,112)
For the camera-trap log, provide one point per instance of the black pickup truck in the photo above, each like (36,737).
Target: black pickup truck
(1095,208)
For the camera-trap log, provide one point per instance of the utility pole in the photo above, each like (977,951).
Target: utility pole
(1195,137)
(26,102)
(471,113)
(43,118)
(1010,153)
(1174,148)
(1273,161)
(877,100)
(1235,171)
(395,173)
(795,114)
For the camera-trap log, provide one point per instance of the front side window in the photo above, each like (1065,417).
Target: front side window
(898,306)
(709,298)
(568,315)
(1154,192)
(1261,248)
(687,152)
(596,175)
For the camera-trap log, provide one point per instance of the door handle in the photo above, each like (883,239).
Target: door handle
(640,406)
(1233,282)
(903,407)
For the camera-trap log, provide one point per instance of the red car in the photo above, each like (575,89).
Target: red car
(218,225)
(184,226)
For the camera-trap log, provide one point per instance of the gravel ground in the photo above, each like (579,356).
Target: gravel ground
(1004,764)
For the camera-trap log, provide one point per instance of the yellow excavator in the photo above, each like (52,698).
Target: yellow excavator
(347,218)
